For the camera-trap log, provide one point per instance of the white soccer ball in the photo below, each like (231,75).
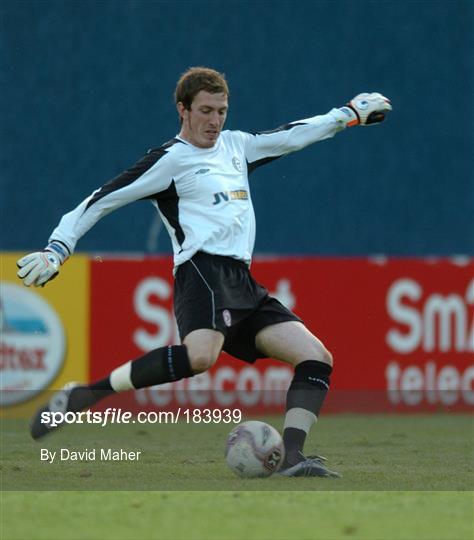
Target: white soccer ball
(254,450)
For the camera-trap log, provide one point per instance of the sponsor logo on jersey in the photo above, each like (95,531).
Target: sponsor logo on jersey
(235,195)
(237,164)
(32,345)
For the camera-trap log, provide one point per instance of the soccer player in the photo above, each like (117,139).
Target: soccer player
(199,183)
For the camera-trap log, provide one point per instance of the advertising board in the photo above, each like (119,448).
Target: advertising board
(400,330)
(44,334)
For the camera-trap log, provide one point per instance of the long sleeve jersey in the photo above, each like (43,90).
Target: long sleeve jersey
(202,194)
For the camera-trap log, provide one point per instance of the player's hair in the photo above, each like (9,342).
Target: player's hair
(196,79)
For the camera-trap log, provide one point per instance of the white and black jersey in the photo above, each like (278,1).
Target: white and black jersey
(202,194)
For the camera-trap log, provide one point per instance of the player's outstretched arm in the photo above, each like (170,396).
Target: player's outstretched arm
(146,179)
(42,266)
(365,109)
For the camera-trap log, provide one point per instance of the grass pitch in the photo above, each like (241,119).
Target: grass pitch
(404,477)
(237,515)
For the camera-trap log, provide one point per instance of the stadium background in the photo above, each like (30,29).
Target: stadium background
(87,89)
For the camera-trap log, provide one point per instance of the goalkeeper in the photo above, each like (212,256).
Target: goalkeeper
(199,183)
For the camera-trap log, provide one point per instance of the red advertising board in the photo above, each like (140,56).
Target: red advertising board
(401,332)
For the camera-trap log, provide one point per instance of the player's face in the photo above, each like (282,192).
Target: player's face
(203,123)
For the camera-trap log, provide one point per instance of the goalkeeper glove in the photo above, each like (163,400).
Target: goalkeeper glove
(367,109)
(42,266)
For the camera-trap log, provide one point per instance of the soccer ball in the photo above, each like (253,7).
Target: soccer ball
(254,450)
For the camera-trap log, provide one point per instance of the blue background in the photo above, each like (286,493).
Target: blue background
(87,88)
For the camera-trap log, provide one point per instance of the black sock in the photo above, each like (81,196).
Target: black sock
(304,400)
(166,364)
(293,439)
(158,366)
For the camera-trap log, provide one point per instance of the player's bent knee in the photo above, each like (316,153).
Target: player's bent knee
(201,362)
(320,353)
(326,357)
(204,347)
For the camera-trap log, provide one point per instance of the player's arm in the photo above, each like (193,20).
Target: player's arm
(365,109)
(151,175)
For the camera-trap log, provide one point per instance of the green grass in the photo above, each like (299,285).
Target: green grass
(383,452)
(237,515)
(404,477)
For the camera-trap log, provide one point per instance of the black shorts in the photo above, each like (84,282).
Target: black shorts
(216,292)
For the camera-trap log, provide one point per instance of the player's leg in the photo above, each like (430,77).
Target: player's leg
(199,351)
(293,343)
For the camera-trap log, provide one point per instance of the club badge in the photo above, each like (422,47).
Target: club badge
(237,164)
(227,317)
